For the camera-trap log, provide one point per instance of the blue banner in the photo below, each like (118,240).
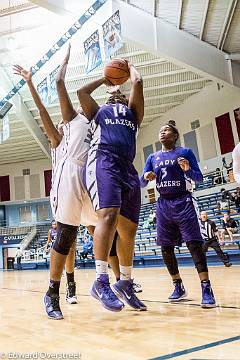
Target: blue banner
(11,239)
(42,90)
(52,85)
(112,35)
(92,52)
(5,128)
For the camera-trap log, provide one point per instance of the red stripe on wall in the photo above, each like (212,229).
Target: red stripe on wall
(48,181)
(225,134)
(237,120)
(4,188)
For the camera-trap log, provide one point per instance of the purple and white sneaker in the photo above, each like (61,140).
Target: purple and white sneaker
(125,289)
(208,300)
(52,307)
(101,290)
(179,292)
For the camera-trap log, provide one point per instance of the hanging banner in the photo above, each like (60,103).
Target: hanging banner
(92,52)
(42,89)
(112,35)
(5,128)
(52,85)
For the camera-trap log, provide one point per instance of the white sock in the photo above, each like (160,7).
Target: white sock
(125,272)
(101,267)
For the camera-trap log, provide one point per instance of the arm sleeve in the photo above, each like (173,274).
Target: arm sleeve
(194,173)
(236,163)
(148,167)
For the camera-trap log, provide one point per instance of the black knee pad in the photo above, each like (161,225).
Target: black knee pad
(66,235)
(198,255)
(169,259)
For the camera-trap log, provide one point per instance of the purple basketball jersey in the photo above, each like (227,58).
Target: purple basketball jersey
(115,128)
(177,212)
(171,180)
(53,234)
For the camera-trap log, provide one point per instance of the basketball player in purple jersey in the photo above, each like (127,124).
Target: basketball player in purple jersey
(69,200)
(177,219)
(113,185)
(52,235)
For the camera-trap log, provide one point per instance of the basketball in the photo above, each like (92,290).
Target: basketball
(116,71)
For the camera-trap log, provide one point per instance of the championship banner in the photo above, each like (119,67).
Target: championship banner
(92,52)
(5,128)
(52,85)
(42,89)
(112,35)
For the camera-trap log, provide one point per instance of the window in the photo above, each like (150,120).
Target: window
(158,145)
(25,214)
(147,150)
(42,212)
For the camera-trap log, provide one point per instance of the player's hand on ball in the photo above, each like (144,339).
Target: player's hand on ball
(150,175)
(108,82)
(183,163)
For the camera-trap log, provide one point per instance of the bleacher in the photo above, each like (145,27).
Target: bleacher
(147,252)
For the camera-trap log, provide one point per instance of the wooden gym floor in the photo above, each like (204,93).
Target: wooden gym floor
(165,331)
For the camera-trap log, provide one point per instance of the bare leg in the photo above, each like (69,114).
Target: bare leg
(230,233)
(114,262)
(104,232)
(125,244)
(70,260)
(57,263)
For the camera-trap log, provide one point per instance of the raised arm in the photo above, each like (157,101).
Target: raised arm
(136,98)
(52,133)
(88,104)
(67,110)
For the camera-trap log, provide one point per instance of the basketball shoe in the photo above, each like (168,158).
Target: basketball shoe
(208,300)
(71,297)
(52,307)
(102,291)
(137,288)
(125,289)
(179,292)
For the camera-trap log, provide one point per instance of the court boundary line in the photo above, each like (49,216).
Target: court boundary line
(197,348)
(181,303)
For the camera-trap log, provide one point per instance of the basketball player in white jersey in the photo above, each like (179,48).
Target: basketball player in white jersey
(69,200)
(236,163)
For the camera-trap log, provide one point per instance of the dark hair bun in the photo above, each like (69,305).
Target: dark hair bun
(172,122)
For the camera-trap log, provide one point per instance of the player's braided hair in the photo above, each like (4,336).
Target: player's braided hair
(172,125)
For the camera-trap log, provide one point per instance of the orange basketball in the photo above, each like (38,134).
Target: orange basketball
(116,71)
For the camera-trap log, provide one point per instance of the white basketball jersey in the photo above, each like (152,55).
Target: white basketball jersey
(57,154)
(77,137)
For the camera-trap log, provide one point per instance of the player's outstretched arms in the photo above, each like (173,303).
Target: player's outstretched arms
(67,110)
(52,133)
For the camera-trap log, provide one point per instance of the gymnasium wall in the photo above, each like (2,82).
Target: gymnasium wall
(35,185)
(211,103)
